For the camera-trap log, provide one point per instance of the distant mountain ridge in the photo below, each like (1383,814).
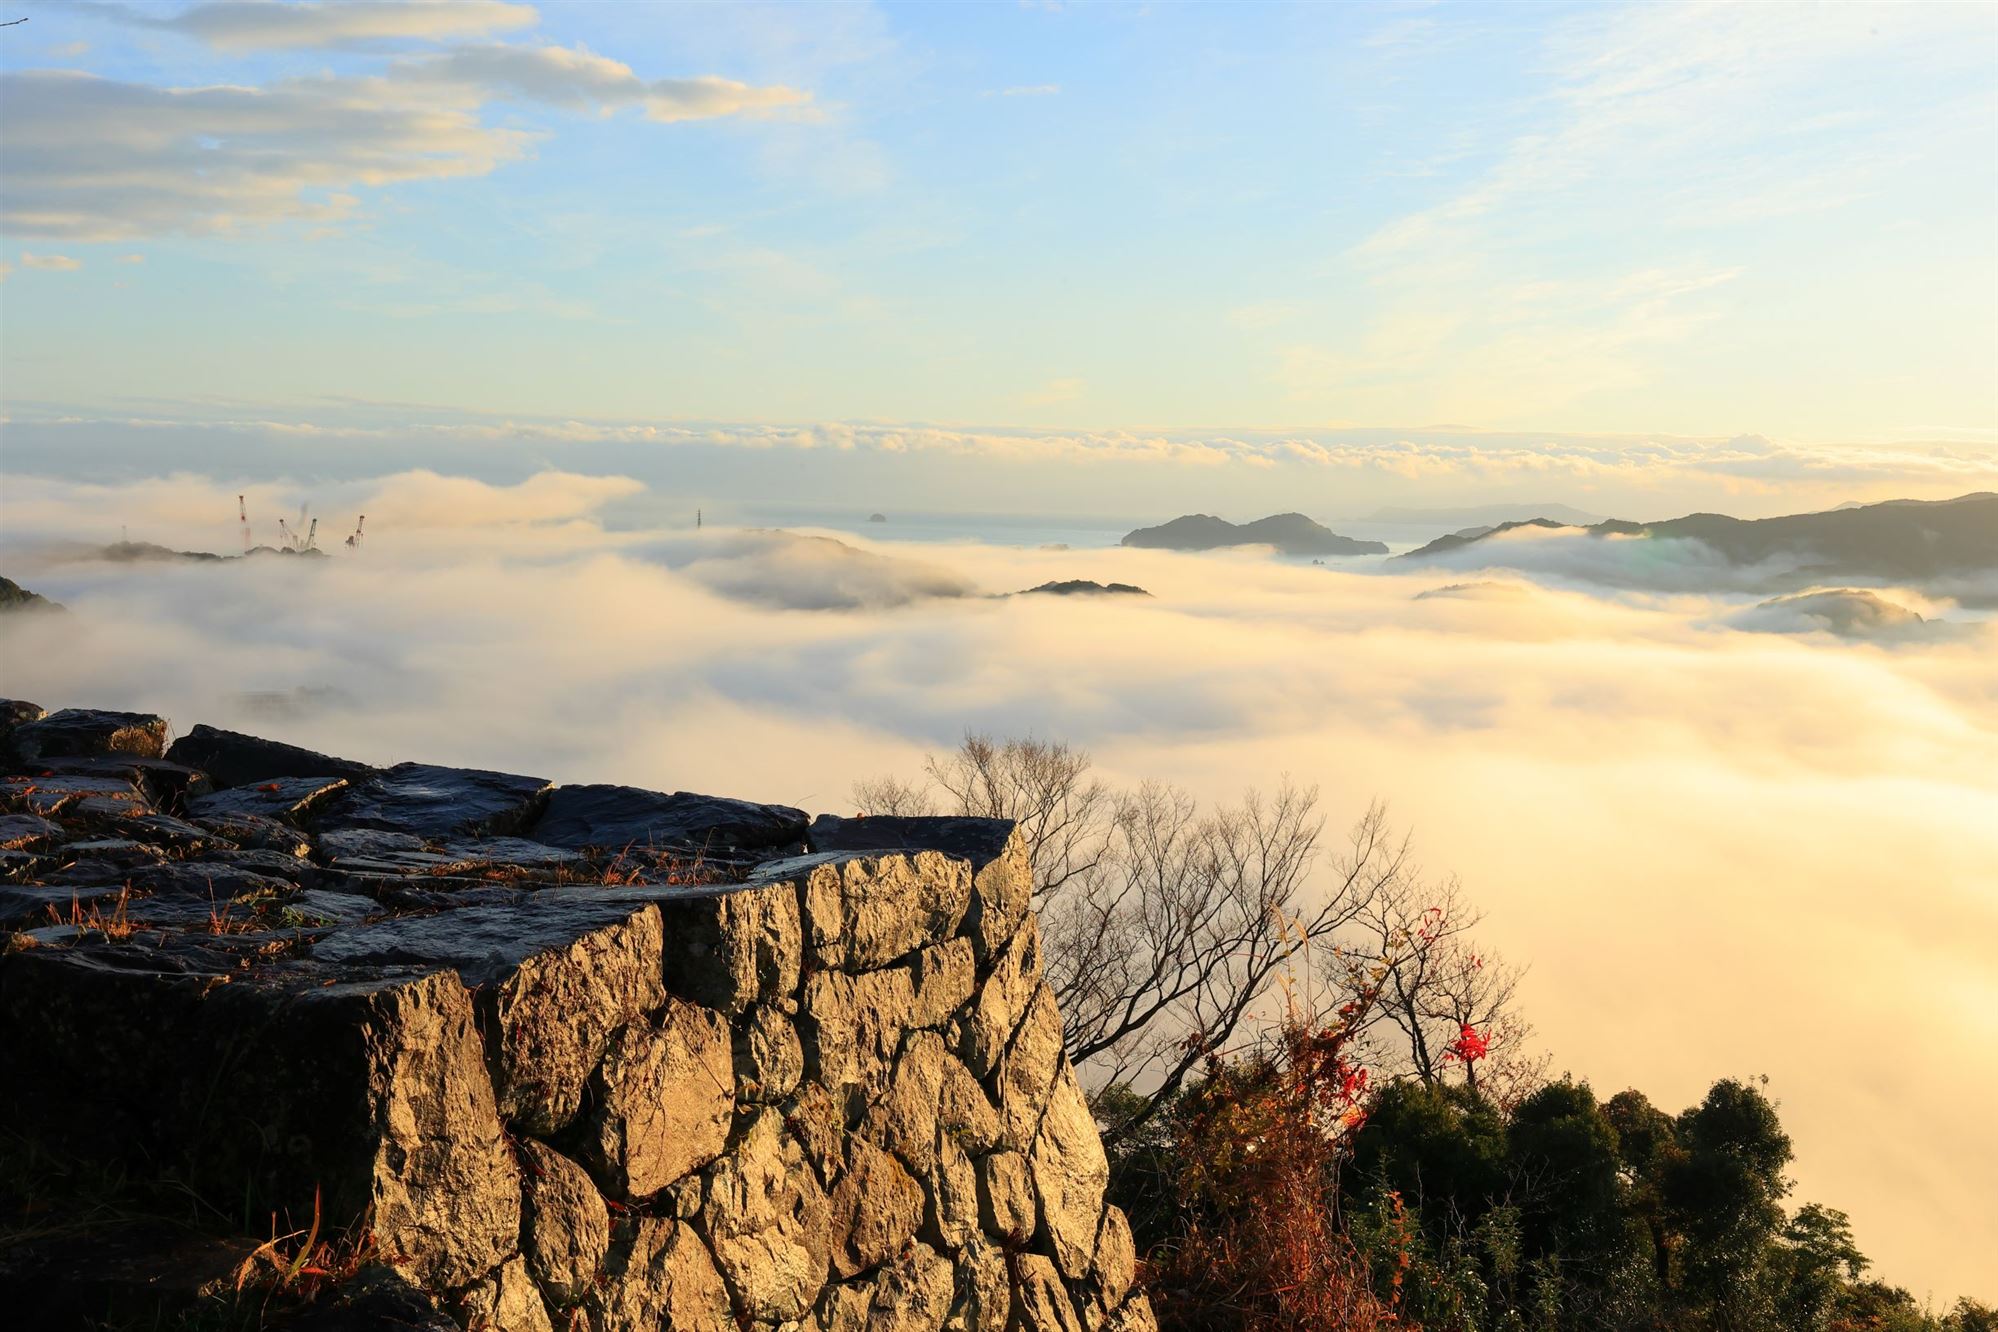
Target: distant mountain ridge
(1291,533)
(1891,539)
(1485,515)
(14,597)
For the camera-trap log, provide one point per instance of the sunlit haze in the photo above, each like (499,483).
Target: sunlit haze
(708,373)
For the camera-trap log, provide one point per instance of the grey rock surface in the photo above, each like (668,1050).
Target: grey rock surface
(563,1086)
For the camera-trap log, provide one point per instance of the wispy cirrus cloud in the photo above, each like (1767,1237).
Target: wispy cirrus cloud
(90,158)
(93,159)
(577,79)
(1700,136)
(261,25)
(50,263)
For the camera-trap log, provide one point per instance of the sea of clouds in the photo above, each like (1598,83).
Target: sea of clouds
(1724,851)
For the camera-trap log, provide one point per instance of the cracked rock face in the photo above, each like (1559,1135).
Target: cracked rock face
(662,1100)
(565,1227)
(814,1082)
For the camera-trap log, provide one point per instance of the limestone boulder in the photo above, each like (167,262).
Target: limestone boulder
(964,1112)
(913,1292)
(662,1101)
(866,911)
(730,946)
(558,973)
(1006,1204)
(660,1278)
(506,1301)
(565,1227)
(876,1208)
(1116,1264)
(769,1058)
(945,977)
(904,1118)
(1040,1301)
(852,1027)
(1070,1173)
(1001,881)
(1002,1001)
(1029,1070)
(950,1221)
(985,1290)
(767,1222)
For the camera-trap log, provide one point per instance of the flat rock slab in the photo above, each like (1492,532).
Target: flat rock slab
(1001,878)
(484,943)
(436,803)
(613,818)
(38,904)
(51,795)
(164,782)
(286,798)
(166,830)
(365,843)
(232,759)
(255,832)
(206,879)
(490,853)
(88,731)
(21,831)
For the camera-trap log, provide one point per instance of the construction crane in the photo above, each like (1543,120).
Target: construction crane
(312,536)
(354,541)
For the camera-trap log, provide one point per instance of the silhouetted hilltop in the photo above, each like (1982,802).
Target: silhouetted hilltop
(14,597)
(1892,539)
(1291,533)
(1085,587)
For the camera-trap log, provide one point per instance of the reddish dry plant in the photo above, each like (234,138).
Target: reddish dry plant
(630,869)
(1262,1137)
(314,1266)
(114,926)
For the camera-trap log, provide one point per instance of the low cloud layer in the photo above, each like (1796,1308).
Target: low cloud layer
(1149,476)
(1724,852)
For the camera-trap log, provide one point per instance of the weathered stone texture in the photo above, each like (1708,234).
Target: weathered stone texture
(823,1093)
(565,1227)
(663,1100)
(768,1222)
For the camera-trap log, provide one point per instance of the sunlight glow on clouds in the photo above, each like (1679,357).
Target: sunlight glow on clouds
(1673,819)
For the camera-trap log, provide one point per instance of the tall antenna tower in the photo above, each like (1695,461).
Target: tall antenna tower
(243,517)
(354,541)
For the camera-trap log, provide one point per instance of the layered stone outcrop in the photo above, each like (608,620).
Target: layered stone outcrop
(689,1063)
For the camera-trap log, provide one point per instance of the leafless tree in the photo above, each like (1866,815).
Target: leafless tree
(1447,1009)
(1171,933)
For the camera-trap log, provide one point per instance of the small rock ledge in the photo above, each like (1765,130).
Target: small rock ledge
(537,1057)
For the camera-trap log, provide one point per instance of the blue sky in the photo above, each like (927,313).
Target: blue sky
(1685,221)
